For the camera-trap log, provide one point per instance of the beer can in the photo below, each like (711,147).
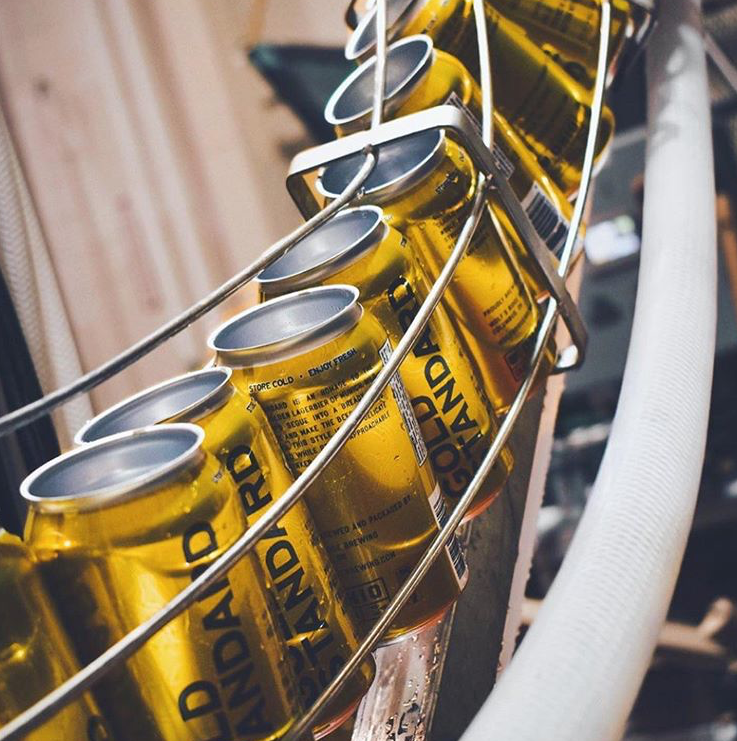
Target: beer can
(546,105)
(445,390)
(450,23)
(307,358)
(311,615)
(422,77)
(549,109)
(35,654)
(426,184)
(120,527)
(568,31)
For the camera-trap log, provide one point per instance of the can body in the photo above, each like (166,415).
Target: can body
(310,613)
(316,625)
(488,300)
(375,519)
(219,669)
(35,655)
(545,204)
(444,387)
(449,22)
(448,82)
(458,423)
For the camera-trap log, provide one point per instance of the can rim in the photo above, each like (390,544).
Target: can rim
(398,184)
(208,402)
(394,97)
(357,45)
(291,343)
(121,490)
(271,281)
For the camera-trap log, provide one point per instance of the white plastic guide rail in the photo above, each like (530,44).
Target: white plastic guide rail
(560,301)
(577,673)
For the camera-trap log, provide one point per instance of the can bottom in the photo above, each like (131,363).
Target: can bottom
(402,634)
(320,731)
(481,503)
(494,484)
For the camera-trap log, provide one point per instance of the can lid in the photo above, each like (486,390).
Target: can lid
(363,39)
(334,245)
(185,398)
(286,326)
(117,468)
(402,163)
(407,61)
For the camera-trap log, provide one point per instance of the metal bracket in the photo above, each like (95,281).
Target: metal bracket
(457,123)
(645,13)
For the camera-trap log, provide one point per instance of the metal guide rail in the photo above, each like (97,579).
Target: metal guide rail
(559,302)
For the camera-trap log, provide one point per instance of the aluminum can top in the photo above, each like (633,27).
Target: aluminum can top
(287,326)
(333,246)
(408,60)
(188,397)
(363,39)
(118,468)
(402,163)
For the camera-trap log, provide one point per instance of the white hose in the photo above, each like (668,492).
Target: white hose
(578,670)
(34,289)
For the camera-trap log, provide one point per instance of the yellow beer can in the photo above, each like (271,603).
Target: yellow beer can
(420,77)
(450,23)
(548,108)
(307,358)
(120,527)
(311,615)
(426,184)
(568,31)
(35,654)
(445,390)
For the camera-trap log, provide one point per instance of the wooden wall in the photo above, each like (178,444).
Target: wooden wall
(155,155)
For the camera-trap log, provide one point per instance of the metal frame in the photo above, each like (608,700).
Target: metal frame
(459,123)
(559,302)
(646,12)
(721,61)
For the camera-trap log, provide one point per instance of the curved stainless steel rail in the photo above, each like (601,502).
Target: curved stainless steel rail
(28,413)
(505,429)
(119,652)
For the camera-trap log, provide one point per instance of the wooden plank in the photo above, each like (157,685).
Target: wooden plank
(63,85)
(155,154)
(682,642)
